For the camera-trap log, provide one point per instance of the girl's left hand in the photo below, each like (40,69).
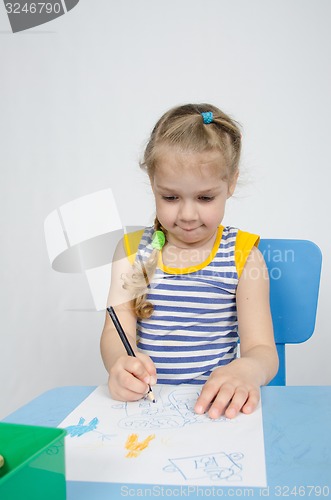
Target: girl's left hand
(229,390)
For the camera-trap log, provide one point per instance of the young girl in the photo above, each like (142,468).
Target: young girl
(187,288)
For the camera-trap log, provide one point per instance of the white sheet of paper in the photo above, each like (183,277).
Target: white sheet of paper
(162,443)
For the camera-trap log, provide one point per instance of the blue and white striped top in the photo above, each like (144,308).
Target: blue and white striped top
(194,326)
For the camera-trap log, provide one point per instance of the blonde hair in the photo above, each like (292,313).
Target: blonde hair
(182,127)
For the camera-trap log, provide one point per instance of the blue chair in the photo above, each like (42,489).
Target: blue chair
(294,270)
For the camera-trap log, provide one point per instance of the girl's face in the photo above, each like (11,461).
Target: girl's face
(190,191)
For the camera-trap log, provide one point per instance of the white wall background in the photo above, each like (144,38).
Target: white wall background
(78,98)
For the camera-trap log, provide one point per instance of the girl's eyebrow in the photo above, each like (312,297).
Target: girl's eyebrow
(211,190)
(165,188)
(204,191)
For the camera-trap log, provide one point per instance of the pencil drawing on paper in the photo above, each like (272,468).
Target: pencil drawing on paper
(81,429)
(162,443)
(174,411)
(135,447)
(214,466)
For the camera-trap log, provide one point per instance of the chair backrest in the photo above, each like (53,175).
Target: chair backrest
(294,270)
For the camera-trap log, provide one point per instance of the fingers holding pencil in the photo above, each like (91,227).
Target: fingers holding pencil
(138,365)
(149,368)
(131,377)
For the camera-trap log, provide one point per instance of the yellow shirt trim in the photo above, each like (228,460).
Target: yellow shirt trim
(244,244)
(198,267)
(131,243)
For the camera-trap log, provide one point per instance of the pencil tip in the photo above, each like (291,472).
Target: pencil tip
(151,396)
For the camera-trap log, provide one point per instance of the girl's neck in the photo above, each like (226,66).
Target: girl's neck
(199,245)
(179,256)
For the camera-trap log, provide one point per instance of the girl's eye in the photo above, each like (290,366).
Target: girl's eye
(206,198)
(169,198)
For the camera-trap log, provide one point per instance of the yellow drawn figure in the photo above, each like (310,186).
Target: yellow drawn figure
(135,447)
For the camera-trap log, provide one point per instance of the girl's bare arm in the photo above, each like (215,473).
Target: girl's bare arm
(129,377)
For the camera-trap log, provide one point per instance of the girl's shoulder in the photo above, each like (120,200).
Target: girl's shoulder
(134,240)
(242,241)
(238,235)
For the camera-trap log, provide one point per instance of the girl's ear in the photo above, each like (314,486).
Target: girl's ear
(232,184)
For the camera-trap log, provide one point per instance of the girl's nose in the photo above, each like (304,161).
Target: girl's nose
(187,211)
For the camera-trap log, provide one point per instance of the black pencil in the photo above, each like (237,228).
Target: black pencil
(126,344)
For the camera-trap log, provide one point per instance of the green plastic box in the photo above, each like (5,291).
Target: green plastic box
(34,467)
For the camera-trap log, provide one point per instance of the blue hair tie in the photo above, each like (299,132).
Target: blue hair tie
(207,117)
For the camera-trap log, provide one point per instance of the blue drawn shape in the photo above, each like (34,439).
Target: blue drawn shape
(214,466)
(177,410)
(80,429)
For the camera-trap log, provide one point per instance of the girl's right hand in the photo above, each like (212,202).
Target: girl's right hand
(130,377)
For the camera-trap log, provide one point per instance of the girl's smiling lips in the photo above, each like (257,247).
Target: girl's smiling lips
(188,229)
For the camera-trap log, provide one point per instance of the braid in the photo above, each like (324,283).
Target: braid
(141,277)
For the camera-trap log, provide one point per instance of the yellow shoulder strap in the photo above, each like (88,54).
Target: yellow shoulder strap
(244,244)
(131,244)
